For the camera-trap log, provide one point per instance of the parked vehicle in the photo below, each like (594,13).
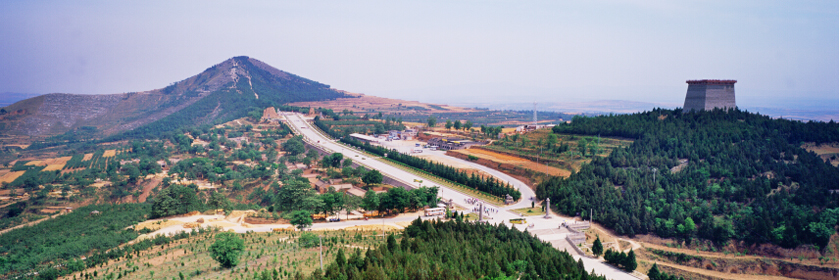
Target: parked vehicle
(435,211)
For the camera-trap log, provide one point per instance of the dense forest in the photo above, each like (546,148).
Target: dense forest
(458,250)
(716,175)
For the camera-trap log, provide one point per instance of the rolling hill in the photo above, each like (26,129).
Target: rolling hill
(222,92)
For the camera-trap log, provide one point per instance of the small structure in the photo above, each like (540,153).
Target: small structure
(95,213)
(576,237)
(364,138)
(319,185)
(358,192)
(508,199)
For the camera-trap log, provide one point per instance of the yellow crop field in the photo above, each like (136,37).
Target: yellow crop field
(11,176)
(53,167)
(109,153)
(55,163)
(36,163)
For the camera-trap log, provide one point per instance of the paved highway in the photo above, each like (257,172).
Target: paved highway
(314,137)
(541,226)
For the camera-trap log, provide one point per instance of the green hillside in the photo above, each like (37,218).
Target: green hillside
(258,89)
(718,175)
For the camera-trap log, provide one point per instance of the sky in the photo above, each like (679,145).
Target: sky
(783,53)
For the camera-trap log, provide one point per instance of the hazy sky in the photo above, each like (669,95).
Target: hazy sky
(781,52)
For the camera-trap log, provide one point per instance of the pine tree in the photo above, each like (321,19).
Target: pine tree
(630,261)
(653,273)
(340,259)
(597,247)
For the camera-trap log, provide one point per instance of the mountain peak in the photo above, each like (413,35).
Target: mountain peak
(220,93)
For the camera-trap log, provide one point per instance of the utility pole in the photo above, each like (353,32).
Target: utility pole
(321,252)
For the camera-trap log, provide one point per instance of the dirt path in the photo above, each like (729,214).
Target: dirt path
(147,189)
(32,223)
(633,244)
(722,275)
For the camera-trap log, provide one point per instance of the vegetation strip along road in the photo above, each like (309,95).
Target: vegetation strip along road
(384,162)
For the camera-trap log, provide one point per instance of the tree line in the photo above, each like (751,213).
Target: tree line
(489,184)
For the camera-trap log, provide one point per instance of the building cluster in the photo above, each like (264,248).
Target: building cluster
(408,134)
(322,186)
(531,127)
(452,143)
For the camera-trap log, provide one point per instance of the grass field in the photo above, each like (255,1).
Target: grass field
(528,211)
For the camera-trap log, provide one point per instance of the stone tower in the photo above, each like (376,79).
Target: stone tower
(709,94)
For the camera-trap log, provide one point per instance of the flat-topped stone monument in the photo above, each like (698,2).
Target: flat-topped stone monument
(705,95)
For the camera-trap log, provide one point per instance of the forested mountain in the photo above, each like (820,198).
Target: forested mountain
(221,93)
(716,175)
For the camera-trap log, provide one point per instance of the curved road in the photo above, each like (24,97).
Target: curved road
(542,227)
(314,137)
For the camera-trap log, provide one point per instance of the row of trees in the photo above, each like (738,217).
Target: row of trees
(399,199)
(489,185)
(457,125)
(743,176)
(625,261)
